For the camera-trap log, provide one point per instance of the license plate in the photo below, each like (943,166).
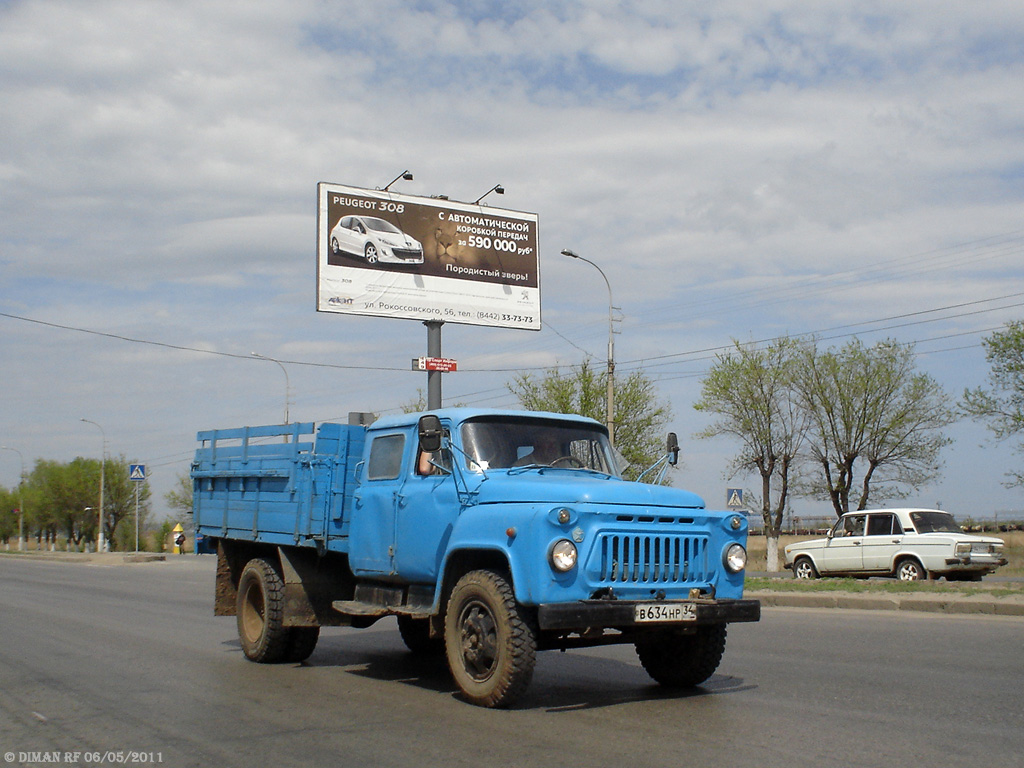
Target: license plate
(645,613)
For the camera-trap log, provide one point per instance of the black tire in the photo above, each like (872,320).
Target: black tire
(260,613)
(491,643)
(803,568)
(910,569)
(301,643)
(335,248)
(416,636)
(682,661)
(371,253)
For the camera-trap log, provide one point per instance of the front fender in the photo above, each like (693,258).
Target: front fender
(513,536)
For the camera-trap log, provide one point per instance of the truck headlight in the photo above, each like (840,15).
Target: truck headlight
(735,558)
(563,555)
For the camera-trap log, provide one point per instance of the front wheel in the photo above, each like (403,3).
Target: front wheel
(803,568)
(682,661)
(490,641)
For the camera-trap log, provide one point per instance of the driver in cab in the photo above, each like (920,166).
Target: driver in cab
(545,450)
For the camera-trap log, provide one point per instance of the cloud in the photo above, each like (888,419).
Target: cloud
(738,169)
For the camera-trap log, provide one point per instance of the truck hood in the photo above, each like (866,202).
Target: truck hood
(560,486)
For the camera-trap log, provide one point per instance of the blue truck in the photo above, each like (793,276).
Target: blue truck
(490,535)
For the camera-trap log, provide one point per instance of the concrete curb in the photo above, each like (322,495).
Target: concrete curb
(937,603)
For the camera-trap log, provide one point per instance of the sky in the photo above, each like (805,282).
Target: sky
(739,171)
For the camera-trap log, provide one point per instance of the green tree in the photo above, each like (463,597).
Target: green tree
(640,418)
(179,498)
(751,391)
(65,498)
(1002,405)
(876,423)
(8,517)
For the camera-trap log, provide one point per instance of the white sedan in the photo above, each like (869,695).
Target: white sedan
(374,240)
(909,544)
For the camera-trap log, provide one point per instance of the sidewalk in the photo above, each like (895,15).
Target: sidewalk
(936,603)
(104,558)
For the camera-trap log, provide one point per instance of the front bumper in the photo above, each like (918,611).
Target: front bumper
(594,614)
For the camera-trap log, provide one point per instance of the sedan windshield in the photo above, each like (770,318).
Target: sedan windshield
(379,225)
(505,443)
(934,522)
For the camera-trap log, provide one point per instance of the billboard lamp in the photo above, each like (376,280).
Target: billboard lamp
(403,175)
(497,189)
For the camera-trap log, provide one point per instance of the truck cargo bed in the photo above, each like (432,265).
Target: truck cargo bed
(274,485)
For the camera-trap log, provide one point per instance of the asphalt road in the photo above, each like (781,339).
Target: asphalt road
(127,663)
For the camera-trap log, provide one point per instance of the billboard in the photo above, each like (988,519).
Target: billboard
(420,258)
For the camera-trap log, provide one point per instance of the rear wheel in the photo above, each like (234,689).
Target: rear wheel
(682,661)
(910,570)
(416,636)
(301,643)
(260,613)
(490,641)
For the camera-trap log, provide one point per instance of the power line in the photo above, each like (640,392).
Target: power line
(182,348)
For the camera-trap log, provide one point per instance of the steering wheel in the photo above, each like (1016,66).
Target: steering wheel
(568,461)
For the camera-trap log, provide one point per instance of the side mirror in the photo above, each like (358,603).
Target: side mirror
(430,433)
(673,448)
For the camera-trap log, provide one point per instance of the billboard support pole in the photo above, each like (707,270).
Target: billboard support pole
(433,350)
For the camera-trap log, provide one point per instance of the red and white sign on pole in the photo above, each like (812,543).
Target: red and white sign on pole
(442,364)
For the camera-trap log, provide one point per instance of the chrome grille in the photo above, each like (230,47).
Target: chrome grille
(652,559)
(408,254)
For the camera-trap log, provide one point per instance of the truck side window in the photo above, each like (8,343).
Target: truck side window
(385,457)
(436,463)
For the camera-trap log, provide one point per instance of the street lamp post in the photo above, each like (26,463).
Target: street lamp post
(103,460)
(610,407)
(287,381)
(21,499)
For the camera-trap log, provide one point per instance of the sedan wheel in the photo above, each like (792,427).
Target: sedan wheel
(803,568)
(910,570)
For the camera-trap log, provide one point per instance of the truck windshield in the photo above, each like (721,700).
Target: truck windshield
(934,522)
(505,443)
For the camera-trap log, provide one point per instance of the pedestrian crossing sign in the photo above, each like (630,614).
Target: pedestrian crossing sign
(137,472)
(734,498)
